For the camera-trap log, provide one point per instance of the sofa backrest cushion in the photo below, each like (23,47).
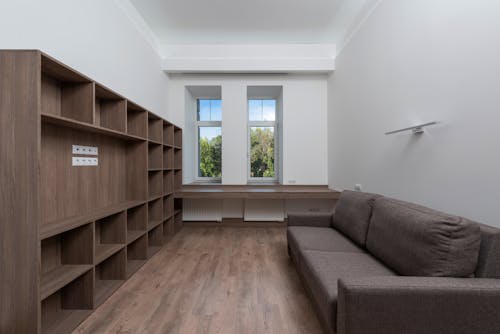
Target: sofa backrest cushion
(488,264)
(417,241)
(352,215)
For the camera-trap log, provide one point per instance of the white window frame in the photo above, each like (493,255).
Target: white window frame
(274,124)
(198,125)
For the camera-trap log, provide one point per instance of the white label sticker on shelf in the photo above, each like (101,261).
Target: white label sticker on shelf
(83,161)
(85,150)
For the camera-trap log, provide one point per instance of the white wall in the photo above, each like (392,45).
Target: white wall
(417,61)
(304,123)
(96,38)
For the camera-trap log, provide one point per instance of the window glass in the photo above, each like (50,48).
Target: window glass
(210,151)
(262,151)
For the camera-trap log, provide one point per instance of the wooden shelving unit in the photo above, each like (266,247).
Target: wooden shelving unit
(76,233)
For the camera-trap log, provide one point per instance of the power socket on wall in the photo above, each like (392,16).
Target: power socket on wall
(85,150)
(82,161)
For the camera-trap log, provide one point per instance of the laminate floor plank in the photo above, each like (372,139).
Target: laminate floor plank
(211,280)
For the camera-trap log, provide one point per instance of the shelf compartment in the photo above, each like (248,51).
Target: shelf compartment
(168,134)
(110,110)
(155,182)
(168,157)
(109,275)
(110,235)
(52,228)
(155,128)
(177,179)
(178,215)
(79,125)
(155,159)
(137,120)
(137,222)
(64,257)
(168,182)
(177,137)
(155,210)
(155,240)
(66,93)
(168,206)
(67,307)
(168,228)
(177,159)
(137,170)
(137,254)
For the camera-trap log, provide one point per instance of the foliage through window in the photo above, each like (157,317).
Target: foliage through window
(209,122)
(262,139)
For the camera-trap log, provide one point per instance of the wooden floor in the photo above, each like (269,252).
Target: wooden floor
(212,280)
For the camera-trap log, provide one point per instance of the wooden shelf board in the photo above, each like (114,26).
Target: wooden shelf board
(52,228)
(133,266)
(59,120)
(168,216)
(153,223)
(177,147)
(155,169)
(152,250)
(56,279)
(104,251)
(177,212)
(155,197)
(256,191)
(104,289)
(66,321)
(156,142)
(133,235)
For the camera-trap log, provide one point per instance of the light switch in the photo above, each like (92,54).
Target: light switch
(85,150)
(83,161)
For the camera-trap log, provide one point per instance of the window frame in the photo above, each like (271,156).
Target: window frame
(270,124)
(198,125)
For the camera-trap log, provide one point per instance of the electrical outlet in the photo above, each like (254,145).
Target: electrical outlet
(358,187)
(82,161)
(292,181)
(85,150)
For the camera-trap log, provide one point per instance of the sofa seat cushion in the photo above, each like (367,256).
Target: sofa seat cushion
(319,238)
(352,215)
(417,241)
(322,270)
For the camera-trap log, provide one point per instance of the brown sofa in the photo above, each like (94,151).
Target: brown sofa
(382,266)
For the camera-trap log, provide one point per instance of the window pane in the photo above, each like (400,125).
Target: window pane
(255,110)
(262,152)
(269,110)
(216,112)
(203,110)
(210,151)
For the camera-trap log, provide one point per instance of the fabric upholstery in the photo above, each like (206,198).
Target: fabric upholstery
(352,215)
(417,241)
(488,264)
(320,238)
(321,271)
(418,305)
(316,219)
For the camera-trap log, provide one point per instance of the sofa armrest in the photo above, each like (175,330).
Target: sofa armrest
(316,219)
(423,305)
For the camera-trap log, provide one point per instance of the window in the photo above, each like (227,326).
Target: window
(209,129)
(262,138)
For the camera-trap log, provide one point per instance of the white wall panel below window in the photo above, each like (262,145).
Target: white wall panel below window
(264,210)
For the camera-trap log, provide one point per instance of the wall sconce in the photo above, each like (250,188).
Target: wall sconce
(416,129)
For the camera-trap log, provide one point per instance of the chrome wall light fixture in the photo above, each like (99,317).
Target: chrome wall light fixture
(416,129)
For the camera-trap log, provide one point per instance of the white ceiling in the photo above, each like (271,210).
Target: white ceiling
(249,22)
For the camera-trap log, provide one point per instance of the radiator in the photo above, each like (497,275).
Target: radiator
(202,210)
